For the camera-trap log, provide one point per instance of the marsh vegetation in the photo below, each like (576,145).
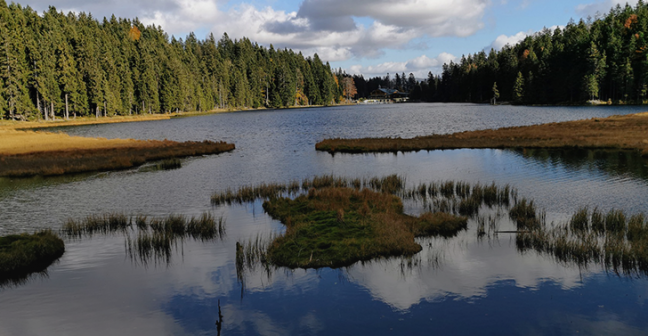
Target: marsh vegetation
(613,239)
(615,132)
(154,238)
(26,253)
(112,158)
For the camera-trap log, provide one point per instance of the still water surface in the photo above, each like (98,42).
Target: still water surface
(459,286)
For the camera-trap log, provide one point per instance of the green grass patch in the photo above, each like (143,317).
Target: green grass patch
(26,253)
(337,226)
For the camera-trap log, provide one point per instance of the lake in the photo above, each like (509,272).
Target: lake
(462,286)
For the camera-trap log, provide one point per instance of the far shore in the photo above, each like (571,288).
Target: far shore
(615,132)
(92,120)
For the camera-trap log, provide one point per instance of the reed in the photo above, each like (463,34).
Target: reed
(26,253)
(524,214)
(169,164)
(96,224)
(618,244)
(205,226)
(155,245)
(389,184)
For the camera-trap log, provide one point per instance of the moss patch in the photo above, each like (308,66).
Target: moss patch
(25,253)
(335,227)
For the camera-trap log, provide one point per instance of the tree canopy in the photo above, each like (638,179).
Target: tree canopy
(57,65)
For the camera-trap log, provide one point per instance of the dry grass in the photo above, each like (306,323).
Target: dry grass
(37,153)
(5,124)
(616,132)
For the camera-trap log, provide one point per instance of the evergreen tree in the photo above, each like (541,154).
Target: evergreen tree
(518,88)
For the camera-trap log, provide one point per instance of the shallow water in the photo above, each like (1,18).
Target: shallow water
(462,285)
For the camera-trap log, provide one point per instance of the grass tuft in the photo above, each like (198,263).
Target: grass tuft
(26,253)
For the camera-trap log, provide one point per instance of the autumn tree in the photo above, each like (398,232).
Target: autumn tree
(348,85)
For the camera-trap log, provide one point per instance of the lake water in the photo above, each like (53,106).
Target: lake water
(460,286)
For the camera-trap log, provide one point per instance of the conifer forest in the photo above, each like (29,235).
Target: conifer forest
(603,58)
(59,65)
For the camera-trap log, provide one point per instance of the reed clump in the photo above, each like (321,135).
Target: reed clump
(392,184)
(96,224)
(618,243)
(26,253)
(524,214)
(205,226)
(169,164)
(156,237)
(337,226)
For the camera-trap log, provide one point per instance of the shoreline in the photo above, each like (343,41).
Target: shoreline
(91,120)
(615,132)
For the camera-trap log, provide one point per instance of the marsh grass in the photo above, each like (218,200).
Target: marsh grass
(93,224)
(26,253)
(617,132)
(86,160)
(337,226)
(618,243)
(169,164)
(390,184)
(157,237)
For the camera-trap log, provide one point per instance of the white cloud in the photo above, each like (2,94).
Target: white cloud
(328,27)
(512,40)
(419,66)
(601,7)
(503,40)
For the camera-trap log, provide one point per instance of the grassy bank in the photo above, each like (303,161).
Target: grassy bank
(616,132)
(25,253)
(36,153)
(334,227)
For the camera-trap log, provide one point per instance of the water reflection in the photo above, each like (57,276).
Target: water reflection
(96,289)
(618,163)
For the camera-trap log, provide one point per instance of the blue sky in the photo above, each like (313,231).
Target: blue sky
(369,37)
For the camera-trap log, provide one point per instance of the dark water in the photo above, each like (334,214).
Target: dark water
(460,286)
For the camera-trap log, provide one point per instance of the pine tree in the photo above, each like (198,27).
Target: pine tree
(518,89)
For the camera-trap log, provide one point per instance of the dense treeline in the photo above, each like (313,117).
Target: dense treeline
(605,59)
(60,65)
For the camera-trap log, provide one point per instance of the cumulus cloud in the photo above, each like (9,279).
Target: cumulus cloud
(327,27)
(512,40)
(503,40)
(419,66)
(601,7)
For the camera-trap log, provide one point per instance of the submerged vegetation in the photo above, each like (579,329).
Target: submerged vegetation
(615,132)
(26,253)
(59,162)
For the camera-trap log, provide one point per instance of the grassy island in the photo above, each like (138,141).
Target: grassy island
(28,153)
(335,227)
(25,253)
(615,132)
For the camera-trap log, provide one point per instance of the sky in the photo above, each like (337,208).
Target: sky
(368,37)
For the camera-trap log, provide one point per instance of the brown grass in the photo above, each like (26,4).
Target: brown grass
(616,132)
(27,153)
(7,124)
